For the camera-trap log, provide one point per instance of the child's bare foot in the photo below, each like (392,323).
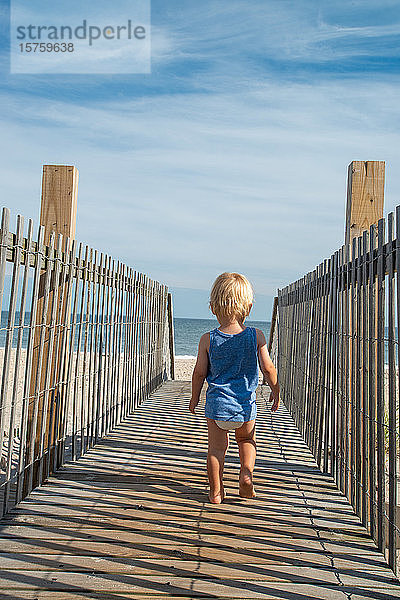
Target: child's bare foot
(246,488)
(216,498)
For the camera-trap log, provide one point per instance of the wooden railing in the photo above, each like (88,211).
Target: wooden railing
(84,340)
(338,353)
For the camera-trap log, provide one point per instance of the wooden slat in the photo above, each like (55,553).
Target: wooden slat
(357,332)
(37,386)
(372,359)
(364,381)
(7,421)
(392,403)
(50,367)
(380,400)
(17,374)
(5,224)
(73,384)
(22,487)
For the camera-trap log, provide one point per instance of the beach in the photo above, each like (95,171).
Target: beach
(184,367)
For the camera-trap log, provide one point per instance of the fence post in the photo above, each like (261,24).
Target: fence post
(364,208)
(365,196)
(57,216)
(171,335)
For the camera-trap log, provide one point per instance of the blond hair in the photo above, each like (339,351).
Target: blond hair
(231,296)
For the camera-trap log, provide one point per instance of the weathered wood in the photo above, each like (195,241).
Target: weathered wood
(17,374)
(65,391)
(38,375)
(5,224)
(6,366)
(372,356)
(273,324)
(171,335)
(364,380)
(57,216)
(59,200)
(380,391)
(59,406)
(365,201)
(152,531)
(365,196)
(357,333)
(392,402)
(349,361)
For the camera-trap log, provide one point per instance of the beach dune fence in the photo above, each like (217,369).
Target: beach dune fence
(337,346)
(84,339)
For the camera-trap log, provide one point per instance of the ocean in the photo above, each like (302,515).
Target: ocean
(188,332)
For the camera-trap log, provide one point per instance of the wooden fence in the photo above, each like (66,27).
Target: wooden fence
(338,349)
(84,340)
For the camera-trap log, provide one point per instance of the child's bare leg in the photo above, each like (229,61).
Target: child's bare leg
(246,440)
(217,447)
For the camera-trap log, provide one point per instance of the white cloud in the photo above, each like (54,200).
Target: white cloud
(184,187)
(244,170)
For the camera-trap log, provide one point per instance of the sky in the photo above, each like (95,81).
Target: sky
(231,155)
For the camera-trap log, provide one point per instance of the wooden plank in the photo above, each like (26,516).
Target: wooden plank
(273,324)
(86,562)
(91,345)
(72,388)
(342,397)
(58,427)
(59,200)
(171,335)
(364,381)
(38,375)
(323,584)
(372,382)
(7,428)
(365,196)
(392,403)
(22,488)
(357,393)
(304,592)
(5,224)
(57,216)
(151,530)
(352,375)
(202,589)
(17,375)
(50,378)
(81,563)
(380,396)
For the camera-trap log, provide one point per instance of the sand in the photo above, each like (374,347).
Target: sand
(184,368)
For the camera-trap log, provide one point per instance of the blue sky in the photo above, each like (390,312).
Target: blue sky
(232,154)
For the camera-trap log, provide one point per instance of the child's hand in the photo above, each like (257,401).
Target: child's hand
(192,405)
(275,402)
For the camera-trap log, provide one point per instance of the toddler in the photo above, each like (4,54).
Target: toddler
(228,358)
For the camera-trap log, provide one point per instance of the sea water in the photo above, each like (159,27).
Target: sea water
(189,331)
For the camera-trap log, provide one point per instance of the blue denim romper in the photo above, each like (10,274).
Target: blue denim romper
(232,376)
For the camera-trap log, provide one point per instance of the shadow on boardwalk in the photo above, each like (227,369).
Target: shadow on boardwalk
(131,520)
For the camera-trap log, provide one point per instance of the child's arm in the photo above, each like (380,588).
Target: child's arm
(268,369)
(200,371)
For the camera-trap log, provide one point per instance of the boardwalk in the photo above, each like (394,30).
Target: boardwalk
(130,520)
